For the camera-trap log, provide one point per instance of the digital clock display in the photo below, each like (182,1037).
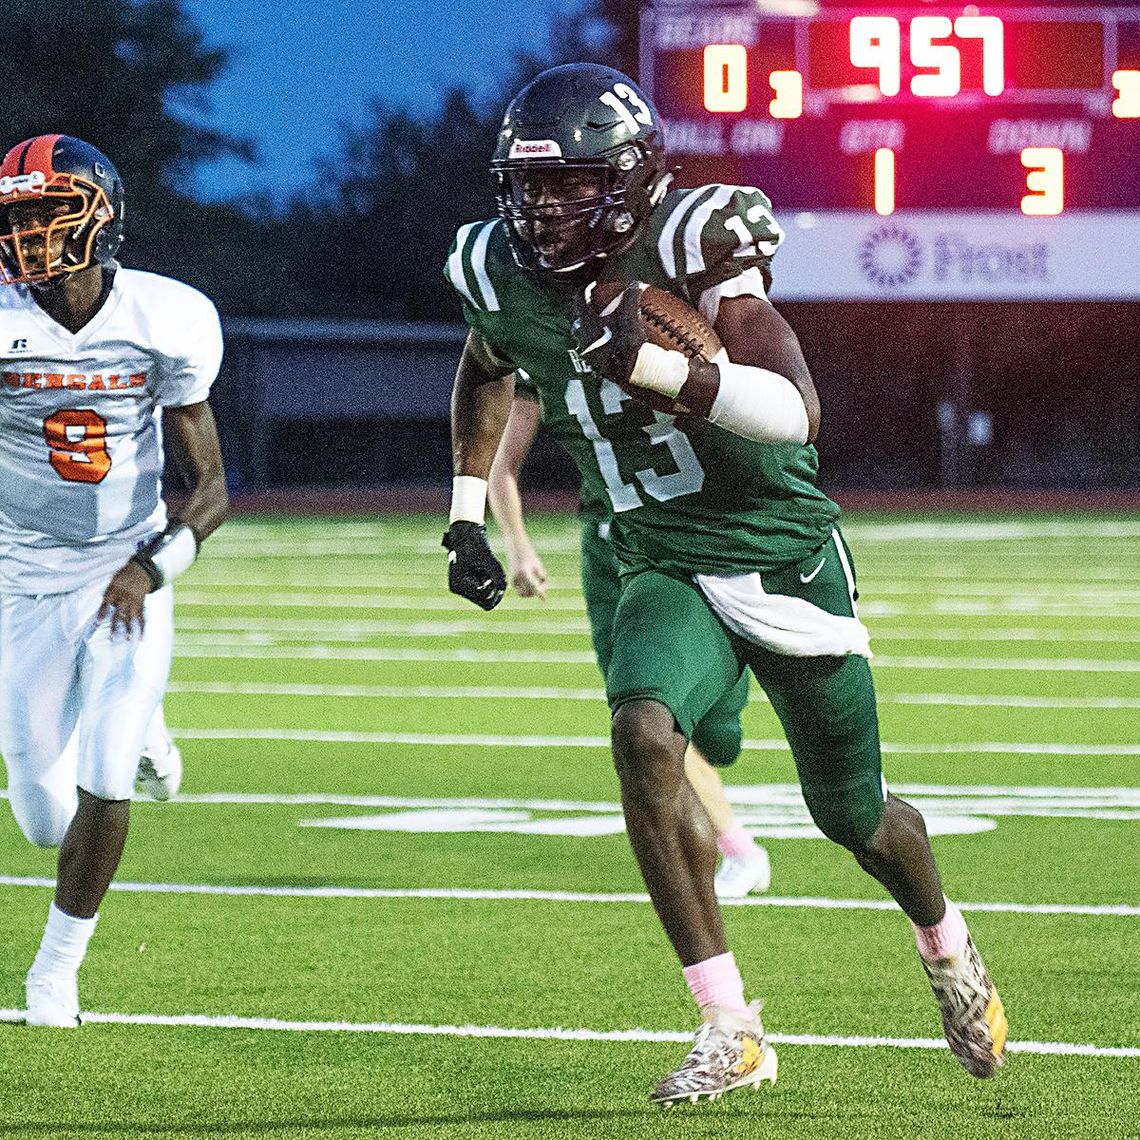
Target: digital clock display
(1027,111)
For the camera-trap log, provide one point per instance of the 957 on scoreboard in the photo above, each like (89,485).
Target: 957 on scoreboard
(953,152)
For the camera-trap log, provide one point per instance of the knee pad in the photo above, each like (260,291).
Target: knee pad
(43,814)
(719,738)
(848,814)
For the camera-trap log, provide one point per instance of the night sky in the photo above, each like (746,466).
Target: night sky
(299,68)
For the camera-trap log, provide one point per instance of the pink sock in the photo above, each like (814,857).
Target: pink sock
(736,842)
(944,939)
(715,984)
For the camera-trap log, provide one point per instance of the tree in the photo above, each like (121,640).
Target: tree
(132,77)
(374,243)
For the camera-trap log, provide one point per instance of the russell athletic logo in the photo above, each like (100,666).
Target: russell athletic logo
(890,256)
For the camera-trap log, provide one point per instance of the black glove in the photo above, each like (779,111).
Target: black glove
(609,341)
(473,572)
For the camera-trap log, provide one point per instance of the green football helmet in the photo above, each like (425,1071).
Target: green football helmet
(579,164)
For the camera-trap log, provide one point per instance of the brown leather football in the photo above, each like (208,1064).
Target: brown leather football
(670,322)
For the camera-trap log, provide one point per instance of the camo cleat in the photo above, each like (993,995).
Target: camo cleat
(730,1052)
(973,1016)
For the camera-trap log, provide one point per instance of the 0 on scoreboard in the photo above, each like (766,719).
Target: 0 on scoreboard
(951,150)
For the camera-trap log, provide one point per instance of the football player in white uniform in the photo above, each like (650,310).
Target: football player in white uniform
(99,367)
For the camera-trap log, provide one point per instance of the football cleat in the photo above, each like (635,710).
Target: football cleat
(730,1052)
(53,1000)
(741,875)
(159,774)
(973,1017)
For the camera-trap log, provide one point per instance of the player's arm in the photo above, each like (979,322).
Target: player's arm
(758,387)
(480,406)
(524,567)
(191,439)
(755,335)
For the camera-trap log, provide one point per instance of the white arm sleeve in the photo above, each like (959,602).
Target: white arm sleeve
(758,404)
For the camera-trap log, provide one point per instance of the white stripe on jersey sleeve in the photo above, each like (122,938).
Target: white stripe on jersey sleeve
(694,255)
(455,272)
(665,241)
(479,264)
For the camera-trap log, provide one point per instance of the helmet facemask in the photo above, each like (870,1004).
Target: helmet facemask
(564,215)
(47,245)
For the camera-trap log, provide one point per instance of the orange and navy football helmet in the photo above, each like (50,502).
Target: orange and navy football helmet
(80,219)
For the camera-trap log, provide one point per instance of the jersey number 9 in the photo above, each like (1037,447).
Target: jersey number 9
(78,441)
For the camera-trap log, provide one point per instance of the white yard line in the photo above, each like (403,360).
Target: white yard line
(222,648)
(474,894)
(230,1021)
(393,692)
(198,629)
(993,700)
(344,601)
(228,650)
(555,693)
(480,740)
(538,624)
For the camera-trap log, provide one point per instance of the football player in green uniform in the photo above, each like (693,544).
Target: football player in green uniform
(729,552)
(744,867)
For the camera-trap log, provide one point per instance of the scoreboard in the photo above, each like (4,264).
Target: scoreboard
(916,151)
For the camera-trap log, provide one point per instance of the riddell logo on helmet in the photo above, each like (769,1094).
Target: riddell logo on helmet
(535,148)
(23,183)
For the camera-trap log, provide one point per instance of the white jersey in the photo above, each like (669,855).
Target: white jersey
(80,434)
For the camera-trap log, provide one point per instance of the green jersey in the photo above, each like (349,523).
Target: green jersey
(687,497)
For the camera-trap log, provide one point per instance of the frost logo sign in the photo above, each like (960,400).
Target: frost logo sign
(992,263)
(890,256)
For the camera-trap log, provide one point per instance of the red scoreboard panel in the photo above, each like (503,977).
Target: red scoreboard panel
(951,151)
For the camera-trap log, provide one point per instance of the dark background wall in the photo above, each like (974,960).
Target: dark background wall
(365,403)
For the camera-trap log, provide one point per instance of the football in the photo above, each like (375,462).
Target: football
(669,322)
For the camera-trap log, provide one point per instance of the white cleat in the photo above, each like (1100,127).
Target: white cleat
(53,1000)
(741,875)
(730,1052)
(159,774)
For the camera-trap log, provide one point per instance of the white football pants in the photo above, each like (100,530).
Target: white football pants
(75,702)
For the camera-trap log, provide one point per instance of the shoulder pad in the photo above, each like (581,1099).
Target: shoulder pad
(472,265)
(714,233)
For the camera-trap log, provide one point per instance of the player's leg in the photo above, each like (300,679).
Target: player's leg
(671,661)
(744,866)
(39,706)
(39,682)
(828,710)
(717,735)
(120,683)
(601,586)
(159,773)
